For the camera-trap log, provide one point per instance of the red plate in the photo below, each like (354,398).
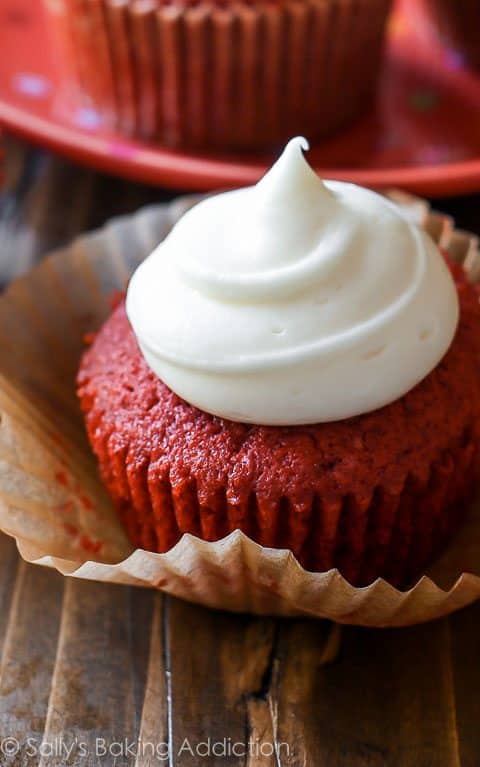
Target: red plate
(423,135)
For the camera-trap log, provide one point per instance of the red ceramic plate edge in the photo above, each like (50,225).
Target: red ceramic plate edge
(181,171)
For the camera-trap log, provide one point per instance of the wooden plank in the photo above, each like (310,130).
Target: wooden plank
(153,736)
(386,700)
(9,560)
(464,629)
(262,749)
(28,657)
(216,664)
(99,675)
(47,201)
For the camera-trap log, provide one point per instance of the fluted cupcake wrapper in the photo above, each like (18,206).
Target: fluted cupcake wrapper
(394,532)
(53,503)
(236,75)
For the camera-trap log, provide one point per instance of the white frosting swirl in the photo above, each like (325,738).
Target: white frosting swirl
(293,301)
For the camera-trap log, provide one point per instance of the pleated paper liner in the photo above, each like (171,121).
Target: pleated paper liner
(53,503)
(212,74)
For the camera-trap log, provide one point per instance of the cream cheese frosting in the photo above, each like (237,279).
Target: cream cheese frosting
(293,301)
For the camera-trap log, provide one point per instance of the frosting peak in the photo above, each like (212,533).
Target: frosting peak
(292,184)
(293,301)
(261,241)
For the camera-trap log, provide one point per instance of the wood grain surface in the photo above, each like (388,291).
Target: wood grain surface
(94,674)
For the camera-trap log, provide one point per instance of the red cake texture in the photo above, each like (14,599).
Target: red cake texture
(375,495)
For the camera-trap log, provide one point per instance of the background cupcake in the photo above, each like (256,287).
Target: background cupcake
(232,75)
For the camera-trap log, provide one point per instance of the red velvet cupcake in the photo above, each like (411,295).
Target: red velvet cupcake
(378,493)
(231,75)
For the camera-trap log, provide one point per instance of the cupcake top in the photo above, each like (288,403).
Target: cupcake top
(293,301)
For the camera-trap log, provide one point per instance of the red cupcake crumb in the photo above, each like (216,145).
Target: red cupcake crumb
(88,338)
(62,478)
(71,529)
(93,547)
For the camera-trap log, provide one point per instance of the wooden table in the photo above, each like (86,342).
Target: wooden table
(88,669)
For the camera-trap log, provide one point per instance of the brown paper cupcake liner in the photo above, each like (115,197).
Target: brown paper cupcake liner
(393,533)
(53,503)
(236,75)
